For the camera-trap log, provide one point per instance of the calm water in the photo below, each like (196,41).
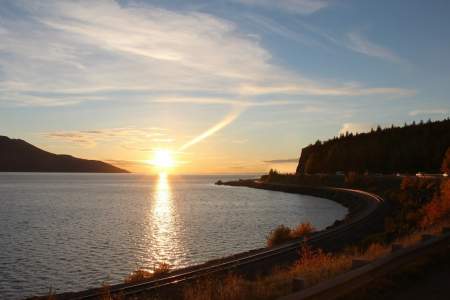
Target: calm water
(74,231)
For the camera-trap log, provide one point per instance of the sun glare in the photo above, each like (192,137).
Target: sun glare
(162,159)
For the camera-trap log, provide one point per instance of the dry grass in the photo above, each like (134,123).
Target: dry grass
(302,230)
(138,275)
(314,266)
(233,287)
(437,209)
(283,234)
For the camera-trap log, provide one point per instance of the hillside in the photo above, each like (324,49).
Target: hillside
(19,156)
(409,149)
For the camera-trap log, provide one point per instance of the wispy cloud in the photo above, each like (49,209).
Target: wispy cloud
(361,44)
(188,52)
(313,88)
(270,25)
(90,138)
(439,111)
(223,101)
(303,7)
(354,40)
(74,137)
(67,52)
(228,119)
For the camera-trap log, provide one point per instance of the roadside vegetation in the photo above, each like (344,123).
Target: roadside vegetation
(420,206)
(313,267)
(139,275)
(417,205)
(283,234)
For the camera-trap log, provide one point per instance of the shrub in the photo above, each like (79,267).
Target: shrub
(161,269)
(302,230)
(278,236)
(439,207)
(139,275)
(314,265)
(283,234)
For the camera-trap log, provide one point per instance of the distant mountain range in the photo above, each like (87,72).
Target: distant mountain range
(19,156)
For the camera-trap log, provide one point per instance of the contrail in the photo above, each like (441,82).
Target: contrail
(235,112)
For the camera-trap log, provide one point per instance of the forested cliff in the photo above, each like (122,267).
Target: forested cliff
(408,149)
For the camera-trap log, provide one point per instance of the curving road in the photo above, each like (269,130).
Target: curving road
(365,213)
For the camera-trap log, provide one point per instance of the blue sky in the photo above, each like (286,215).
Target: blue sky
(228,86)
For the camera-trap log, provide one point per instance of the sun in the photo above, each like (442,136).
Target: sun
(163,159)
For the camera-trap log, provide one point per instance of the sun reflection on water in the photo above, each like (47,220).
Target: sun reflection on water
(166,248)
(162,208)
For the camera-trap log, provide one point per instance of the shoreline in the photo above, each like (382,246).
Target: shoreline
(347,198)
(325,192)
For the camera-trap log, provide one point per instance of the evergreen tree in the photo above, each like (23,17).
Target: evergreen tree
(408,149)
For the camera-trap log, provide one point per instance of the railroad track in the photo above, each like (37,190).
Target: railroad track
(365,215)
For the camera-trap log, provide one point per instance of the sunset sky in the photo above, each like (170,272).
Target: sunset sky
(230,86)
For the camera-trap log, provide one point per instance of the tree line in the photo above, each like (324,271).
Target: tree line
(409,149)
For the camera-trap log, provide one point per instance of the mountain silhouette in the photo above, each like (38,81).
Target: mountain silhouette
(19,156)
